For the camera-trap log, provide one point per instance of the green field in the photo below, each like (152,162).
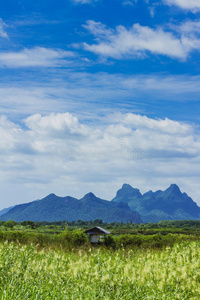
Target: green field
(138,261)
(29,272)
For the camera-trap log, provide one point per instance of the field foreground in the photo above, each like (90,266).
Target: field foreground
(29,273)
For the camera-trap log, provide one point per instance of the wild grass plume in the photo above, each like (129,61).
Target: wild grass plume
(27,272)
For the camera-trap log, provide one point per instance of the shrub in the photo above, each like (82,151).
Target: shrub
(73,238)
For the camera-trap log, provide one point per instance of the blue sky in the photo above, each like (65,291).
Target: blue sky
(97,93)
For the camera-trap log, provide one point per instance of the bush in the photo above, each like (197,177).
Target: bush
(110,242)
(74,238)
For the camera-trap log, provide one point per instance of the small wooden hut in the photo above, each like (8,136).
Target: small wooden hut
(97,234)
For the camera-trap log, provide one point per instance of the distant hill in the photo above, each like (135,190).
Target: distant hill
(54,208)
(5,210)
(129,204)
(170,204)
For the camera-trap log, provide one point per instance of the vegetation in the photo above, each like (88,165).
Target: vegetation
(71,234)
(192,224)
(27,272)
(138,261)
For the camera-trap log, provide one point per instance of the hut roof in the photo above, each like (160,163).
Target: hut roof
(97,230)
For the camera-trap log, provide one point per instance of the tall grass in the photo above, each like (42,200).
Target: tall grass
(27,272)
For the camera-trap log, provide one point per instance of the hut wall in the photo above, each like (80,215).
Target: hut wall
(94,238)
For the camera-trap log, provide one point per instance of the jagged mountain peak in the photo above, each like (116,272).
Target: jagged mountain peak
(174,186)
(125,193)
(174,189)
(90,196)
(128,189)
(170,204)
(90,199)
(129,203)
(52,195)
(54,208)
(127,186)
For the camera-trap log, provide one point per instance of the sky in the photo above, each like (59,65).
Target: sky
(98,93)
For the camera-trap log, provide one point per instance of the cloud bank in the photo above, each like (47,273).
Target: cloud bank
(59,151)
(89,95)
(35,57)
(193,5)
(139,41)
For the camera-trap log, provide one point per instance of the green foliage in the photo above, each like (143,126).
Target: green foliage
(9,224)
(110,242)
(25,237)
(68,235)
(31,224)
(73,238)
(151,241)
(70,239)
(29,273)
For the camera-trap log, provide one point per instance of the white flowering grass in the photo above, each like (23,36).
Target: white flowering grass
(28,273)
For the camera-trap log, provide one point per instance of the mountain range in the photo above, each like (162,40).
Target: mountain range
(128,204)
(170,204)
(54,208)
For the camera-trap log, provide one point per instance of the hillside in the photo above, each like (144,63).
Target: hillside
(170,204)
(54,208)
(128,204)
(5,210)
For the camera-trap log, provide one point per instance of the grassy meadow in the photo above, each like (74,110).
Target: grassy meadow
(29,272)
(138,261)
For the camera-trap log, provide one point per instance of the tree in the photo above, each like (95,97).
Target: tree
(10,224)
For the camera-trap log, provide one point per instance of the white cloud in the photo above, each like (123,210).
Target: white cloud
(129,2)
(8,133)
(88,95)
(164,126)
(139,41)
(188,28)
(189,33)
(84,1)
(64,128)
(56,125)
(58,153)
(193,5)
(35,57)
(3,33)
(165,85)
